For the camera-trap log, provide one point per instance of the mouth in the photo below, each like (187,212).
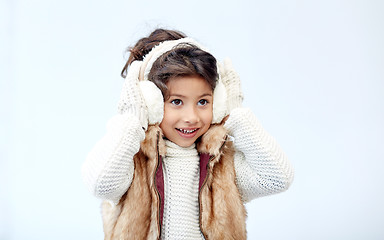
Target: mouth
(187,133)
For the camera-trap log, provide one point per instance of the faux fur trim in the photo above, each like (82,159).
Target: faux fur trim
(212,140)
(223,214)
(153,139)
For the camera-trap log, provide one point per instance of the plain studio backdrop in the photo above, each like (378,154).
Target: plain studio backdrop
(312,71)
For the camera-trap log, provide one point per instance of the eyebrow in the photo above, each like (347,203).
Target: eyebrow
(180,95)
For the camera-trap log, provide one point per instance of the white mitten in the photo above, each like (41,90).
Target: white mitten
(231,81)
(131,98)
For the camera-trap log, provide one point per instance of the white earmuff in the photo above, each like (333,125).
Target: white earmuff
(154,100)
(219,102)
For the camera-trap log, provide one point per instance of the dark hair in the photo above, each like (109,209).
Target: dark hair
(145,45)
(183,60)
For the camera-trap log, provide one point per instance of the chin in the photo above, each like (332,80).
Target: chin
(185,144)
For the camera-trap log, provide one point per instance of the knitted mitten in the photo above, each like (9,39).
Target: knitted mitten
(231,81)
(131,98)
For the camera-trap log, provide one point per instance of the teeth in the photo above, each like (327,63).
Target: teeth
(186,131)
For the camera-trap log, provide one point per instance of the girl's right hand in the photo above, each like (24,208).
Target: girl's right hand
(131,98)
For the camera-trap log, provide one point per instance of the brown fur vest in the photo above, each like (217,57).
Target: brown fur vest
(138,215)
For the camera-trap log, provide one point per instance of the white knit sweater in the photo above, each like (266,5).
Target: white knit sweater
(181,192)
(261,166)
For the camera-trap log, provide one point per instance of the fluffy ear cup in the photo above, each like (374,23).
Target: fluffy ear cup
(219,102)
(154,100)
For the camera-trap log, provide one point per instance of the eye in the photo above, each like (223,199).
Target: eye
(202,102)
(176,102)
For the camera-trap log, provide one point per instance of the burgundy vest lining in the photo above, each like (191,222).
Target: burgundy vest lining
(160,187)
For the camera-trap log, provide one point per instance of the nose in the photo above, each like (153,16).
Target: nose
(191,115)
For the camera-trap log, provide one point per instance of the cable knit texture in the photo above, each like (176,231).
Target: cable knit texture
(261,166)
(181,207)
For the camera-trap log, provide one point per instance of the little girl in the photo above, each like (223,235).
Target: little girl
(182,155)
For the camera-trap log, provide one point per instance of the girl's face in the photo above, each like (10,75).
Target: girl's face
(188,110)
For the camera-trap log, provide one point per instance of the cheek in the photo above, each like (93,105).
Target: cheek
(207,116)
(167,118)
(210,114)
(165,127)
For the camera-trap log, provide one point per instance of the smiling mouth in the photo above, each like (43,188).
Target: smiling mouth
(185,131)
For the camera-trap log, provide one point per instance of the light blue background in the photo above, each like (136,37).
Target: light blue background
(312,71)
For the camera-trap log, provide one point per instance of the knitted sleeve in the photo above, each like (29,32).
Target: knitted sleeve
(261,166)
(108,168)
